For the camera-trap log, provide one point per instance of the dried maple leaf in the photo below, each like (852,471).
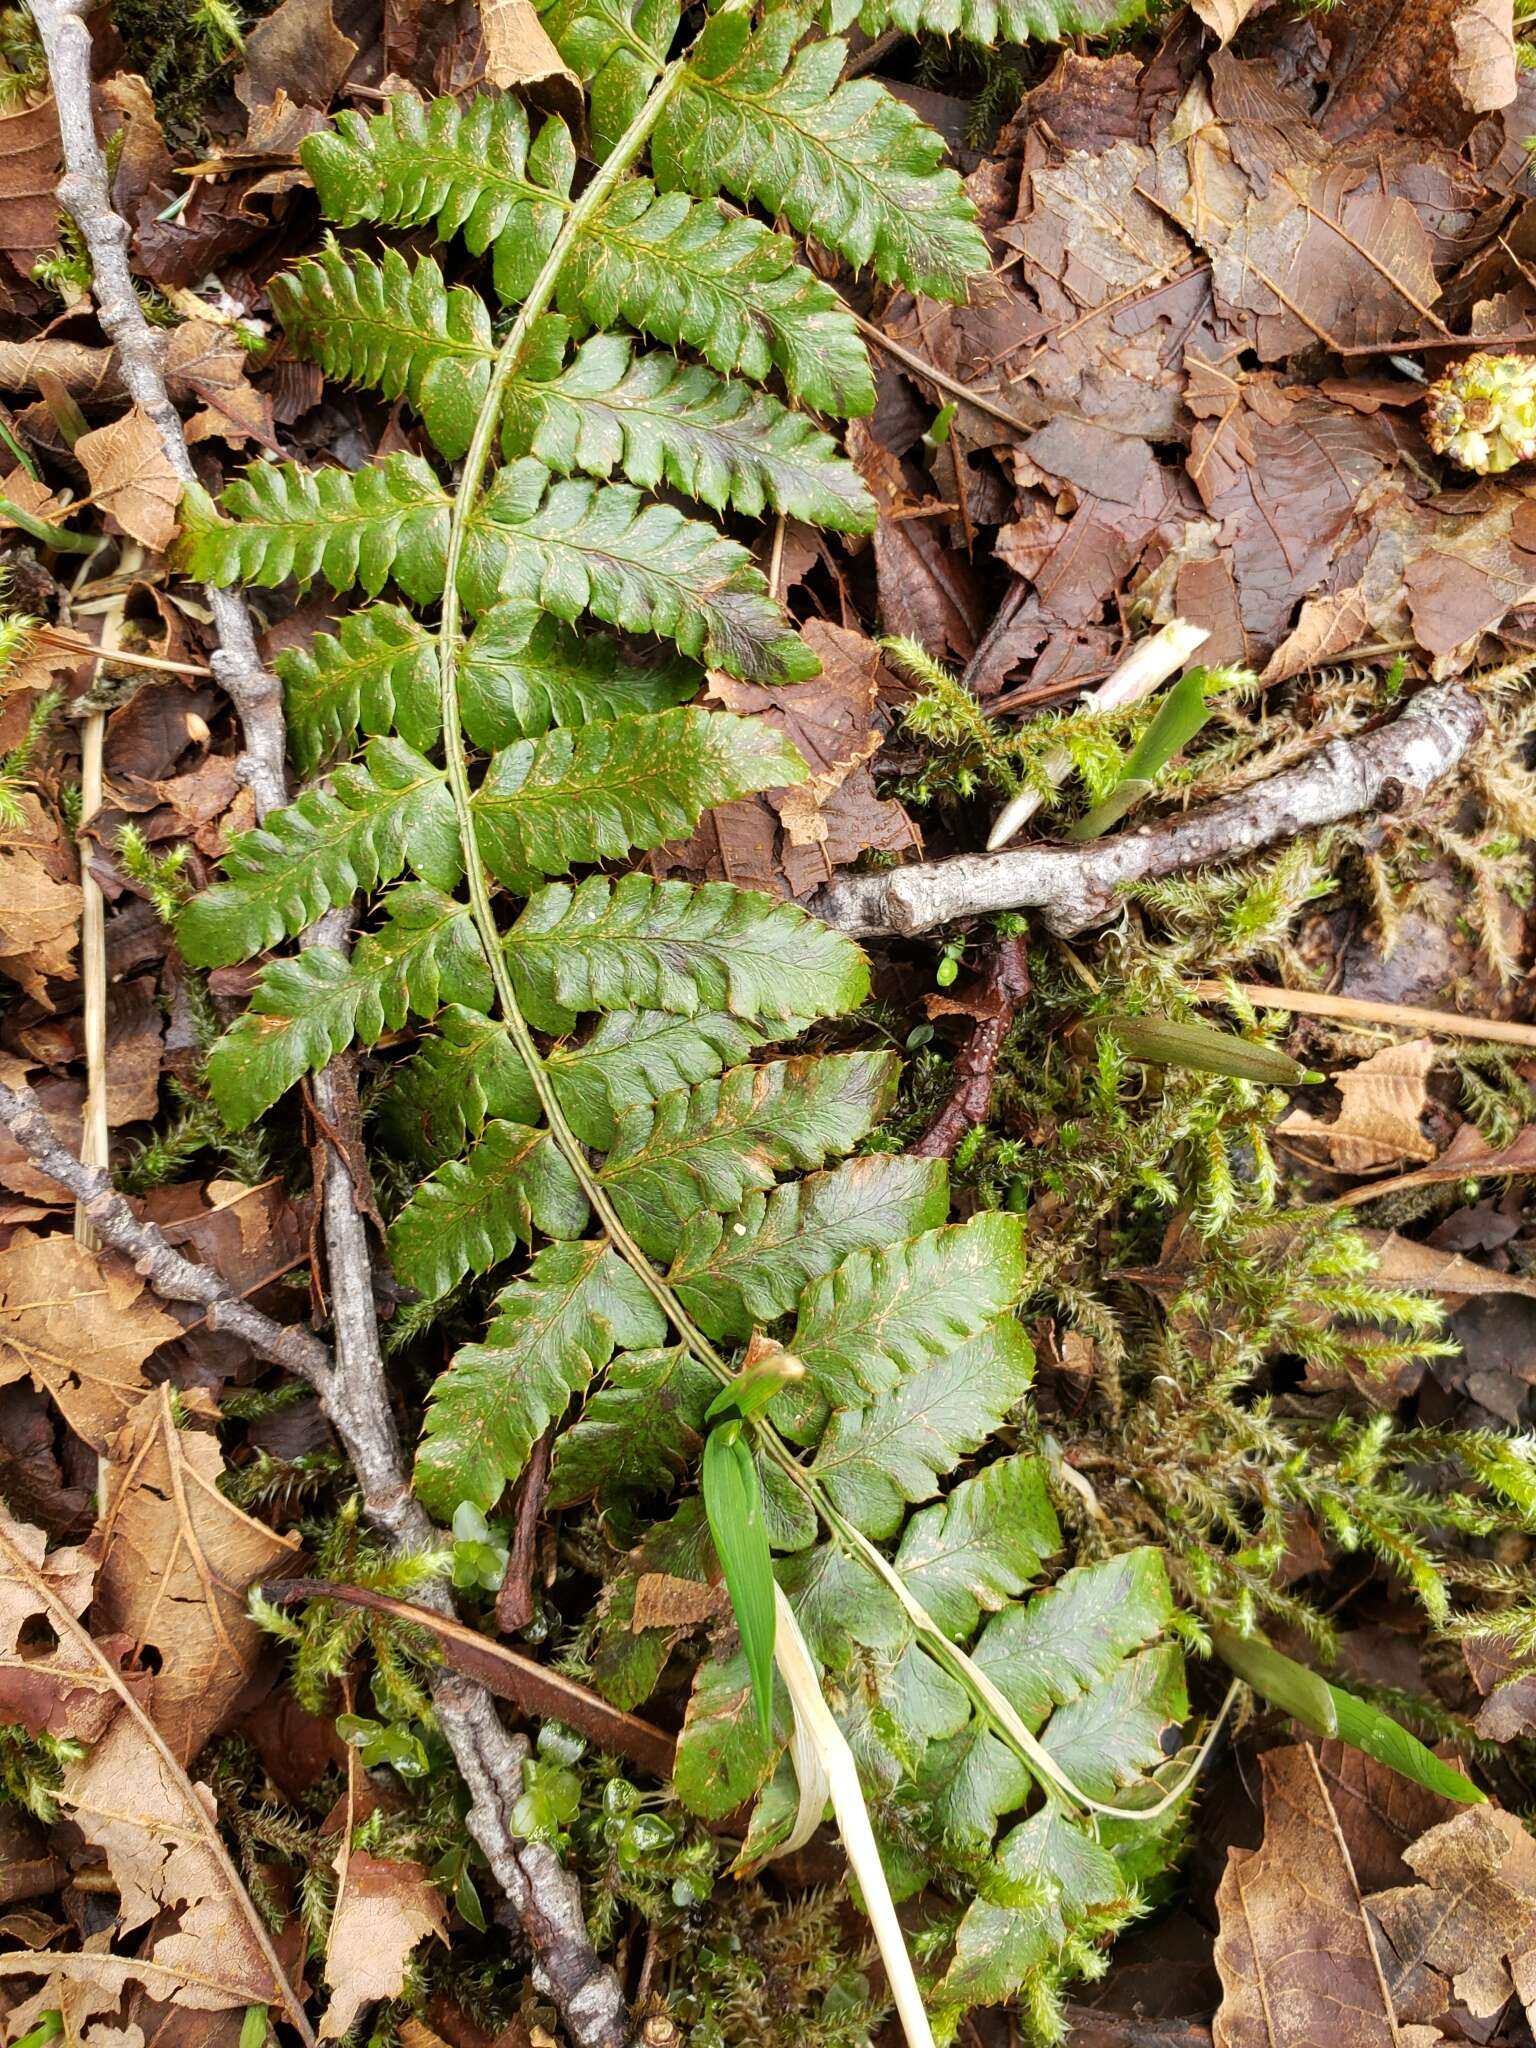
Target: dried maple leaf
(82,1328)
(382,1911)
(1380,1119)
(176,1560)
(131,477)
(1297,1955)
(1465,1935)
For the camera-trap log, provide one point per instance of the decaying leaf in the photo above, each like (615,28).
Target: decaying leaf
(382,1911)
(520,55)
(30,156)
(39,905)
(1380,1119)
(1224,17)
(1297,1953)
(81,1327)
(131,477)
(298,52)
(59,1690)
(1405,1262)
(1466,1934)
(160,1836)
(177,1558)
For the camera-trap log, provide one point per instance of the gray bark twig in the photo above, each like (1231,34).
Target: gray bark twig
(84,191)
(353,1386)
(1072,887)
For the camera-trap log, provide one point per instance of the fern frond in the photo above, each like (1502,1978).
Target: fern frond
(575,546)
(523,671)
(377,673)
(850,164)
(618,47)
(635,944)
(354,528)
(990,22)
(707,1147)
(595,792)
(553,1330)
(306,1011)
(472,170)
(387,811)
(398,328)
(473,1212)
(689,271)
(736,1272)
(659,421)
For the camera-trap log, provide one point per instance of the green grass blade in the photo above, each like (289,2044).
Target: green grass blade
(733,1504)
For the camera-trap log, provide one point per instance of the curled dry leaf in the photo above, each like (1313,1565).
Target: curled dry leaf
(519,53)
(30,156)
(1380,1119)
(176,1560)
(39,905)
(382,1911)
(132,479)
(60,1690)
(1404,1262)
(81,1327)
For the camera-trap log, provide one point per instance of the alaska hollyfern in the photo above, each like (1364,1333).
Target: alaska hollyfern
(597,1111)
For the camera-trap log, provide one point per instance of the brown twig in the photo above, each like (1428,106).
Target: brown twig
(514,1603)
(1356,1010)
(171,1275)
(1073,887)
(970,1100)
(536,1688)
(85,193)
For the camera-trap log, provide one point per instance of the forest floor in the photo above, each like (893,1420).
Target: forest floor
(1283,1313)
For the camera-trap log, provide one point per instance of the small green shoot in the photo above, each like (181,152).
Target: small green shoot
(1179,717)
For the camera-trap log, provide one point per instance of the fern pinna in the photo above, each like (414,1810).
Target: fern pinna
(666,1196)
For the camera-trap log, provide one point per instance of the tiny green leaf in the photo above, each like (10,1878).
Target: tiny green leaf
(733,1503)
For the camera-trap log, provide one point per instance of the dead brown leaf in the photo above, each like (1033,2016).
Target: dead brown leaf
(1411,64)
(207,362)
(1297,1954)
(383,1910)
(1509,1680)
(58,1690)
(159,1833)
(132,479)
(1404,1262)
(81,1327)
(1224,17)
(177,1559)
(519,53)
(1466,1934)
(1469,1156)
(927,590)
(664,1601)
(30,160)
(297,50)
(1380,1119)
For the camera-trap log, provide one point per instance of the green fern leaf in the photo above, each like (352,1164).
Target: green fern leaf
(1069,1639)
(635,944)
(708,1146)
(850,164)
(875,1460)
(473,1213)
(469,1070)
(401,330)
(888,1312)
(618,47)
(690,272)
(990,22)
(594,792)
(305,1012)
(388,810)
(524,671)
(355,528)
(736,1272)
(377,673)
(659,421)
(638,1433)
(554,1329)
(470,170)
(1125,1725)
(1065,1874)
(981,1546)
(576,546)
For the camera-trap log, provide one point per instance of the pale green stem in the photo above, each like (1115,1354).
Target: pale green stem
(984,1694)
